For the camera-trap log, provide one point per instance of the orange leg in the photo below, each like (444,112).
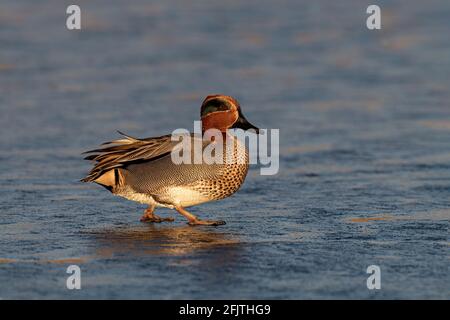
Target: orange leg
(149,216)
(194,221)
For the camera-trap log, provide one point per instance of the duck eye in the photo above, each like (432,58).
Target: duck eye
(214,106)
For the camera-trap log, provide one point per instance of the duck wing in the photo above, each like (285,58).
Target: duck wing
(126,151)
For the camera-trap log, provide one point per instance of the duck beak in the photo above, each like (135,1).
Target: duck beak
(243,124)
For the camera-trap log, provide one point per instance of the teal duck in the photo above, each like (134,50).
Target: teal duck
(143,170)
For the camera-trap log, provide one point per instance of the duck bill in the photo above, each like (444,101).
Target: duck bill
(243,124)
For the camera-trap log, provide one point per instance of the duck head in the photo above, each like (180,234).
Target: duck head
(222,113)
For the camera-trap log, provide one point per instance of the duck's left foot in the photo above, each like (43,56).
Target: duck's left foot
(194,221)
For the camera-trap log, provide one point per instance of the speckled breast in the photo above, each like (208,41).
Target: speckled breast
(164,183)
(232,173)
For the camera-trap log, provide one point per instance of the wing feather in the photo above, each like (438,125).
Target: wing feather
(122,152)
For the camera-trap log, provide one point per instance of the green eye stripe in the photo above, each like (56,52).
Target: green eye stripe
(214,106)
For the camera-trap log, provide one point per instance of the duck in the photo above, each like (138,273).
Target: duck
(143,170)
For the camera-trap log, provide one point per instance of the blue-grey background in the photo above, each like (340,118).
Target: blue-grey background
(364,119)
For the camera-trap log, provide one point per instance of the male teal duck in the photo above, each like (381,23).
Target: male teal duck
(143,170)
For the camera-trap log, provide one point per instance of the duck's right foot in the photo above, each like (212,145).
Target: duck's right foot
(149,216)
(155,219)
(206,223)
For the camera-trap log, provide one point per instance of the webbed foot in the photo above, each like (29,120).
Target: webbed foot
(149,216)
